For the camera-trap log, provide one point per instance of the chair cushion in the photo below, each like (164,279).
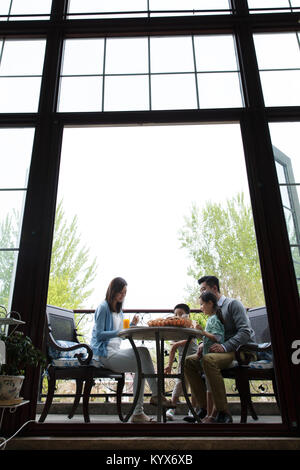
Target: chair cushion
(262,364)
(56,354)
(265,360)
(66,362)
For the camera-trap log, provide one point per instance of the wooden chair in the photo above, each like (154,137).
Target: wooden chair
(247,369)
(68,359)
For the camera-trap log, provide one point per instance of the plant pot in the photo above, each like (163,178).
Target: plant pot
(10,387)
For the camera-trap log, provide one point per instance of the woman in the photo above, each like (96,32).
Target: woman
(105,343)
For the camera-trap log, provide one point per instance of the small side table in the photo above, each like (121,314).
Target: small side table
(12,409)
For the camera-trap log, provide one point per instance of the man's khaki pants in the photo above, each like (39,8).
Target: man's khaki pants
(211,364)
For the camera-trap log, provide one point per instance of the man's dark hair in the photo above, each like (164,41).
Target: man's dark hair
(211,281)
(184,307)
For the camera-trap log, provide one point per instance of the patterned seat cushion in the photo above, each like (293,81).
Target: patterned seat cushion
(262,364)
(55,354)
(264,361)
(65,362)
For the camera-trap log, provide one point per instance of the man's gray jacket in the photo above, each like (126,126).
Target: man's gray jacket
(236,324)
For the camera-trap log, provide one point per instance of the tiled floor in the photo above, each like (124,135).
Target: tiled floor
(78,418)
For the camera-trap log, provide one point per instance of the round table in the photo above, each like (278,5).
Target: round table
(160,334)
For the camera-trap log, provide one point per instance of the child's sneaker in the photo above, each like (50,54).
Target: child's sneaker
(170,414)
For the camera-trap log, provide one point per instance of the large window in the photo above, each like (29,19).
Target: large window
(135,205)
(16,147)
(133,115)
(286,156)
(130,74)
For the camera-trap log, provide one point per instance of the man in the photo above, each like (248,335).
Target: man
(237,331)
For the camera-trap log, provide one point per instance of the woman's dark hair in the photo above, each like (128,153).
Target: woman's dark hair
(184,307)
(115,287)
(208,296)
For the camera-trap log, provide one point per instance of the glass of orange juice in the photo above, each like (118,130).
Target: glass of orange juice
(126,322)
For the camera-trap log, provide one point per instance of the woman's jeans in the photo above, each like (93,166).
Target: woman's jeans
(124,360)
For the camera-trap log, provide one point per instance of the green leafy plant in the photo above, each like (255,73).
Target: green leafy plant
(220,239)
(20,353)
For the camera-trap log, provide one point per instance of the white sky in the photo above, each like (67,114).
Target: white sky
(131,188)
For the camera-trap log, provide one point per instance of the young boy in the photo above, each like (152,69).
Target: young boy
(180,310)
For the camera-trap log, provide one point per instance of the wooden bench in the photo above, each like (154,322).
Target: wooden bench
(68,359)
(246,369)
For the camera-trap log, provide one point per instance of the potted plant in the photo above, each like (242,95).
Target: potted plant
(20,354)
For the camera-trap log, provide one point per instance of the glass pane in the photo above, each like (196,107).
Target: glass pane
(109,6)
(281,88)
(126,55)
(285,197)
(277,51)
(19,95)
(22,7)
(4,8)
(269,4)
(215,53)
(129,93)
(83,57)
(219,90)
(277,55)
(173,91)
(280,172)
(22,57)
(16,149)
(187,5)
(171,54)
(296,260)
(290,226)
(8,261)
(11,203)
(28,7)
(80,94)
(139,8)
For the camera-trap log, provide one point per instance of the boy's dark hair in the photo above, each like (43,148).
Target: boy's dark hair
(211,281)
(209,296)
(184,307)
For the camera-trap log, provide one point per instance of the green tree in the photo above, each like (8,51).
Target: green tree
(221,241)
(8,240)
(71,272)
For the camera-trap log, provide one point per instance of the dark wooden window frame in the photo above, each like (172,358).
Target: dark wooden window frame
(32,275)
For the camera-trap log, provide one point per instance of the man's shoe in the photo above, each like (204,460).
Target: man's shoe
(201,414)
(223,417)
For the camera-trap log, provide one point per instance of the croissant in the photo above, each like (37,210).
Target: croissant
(172,321)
